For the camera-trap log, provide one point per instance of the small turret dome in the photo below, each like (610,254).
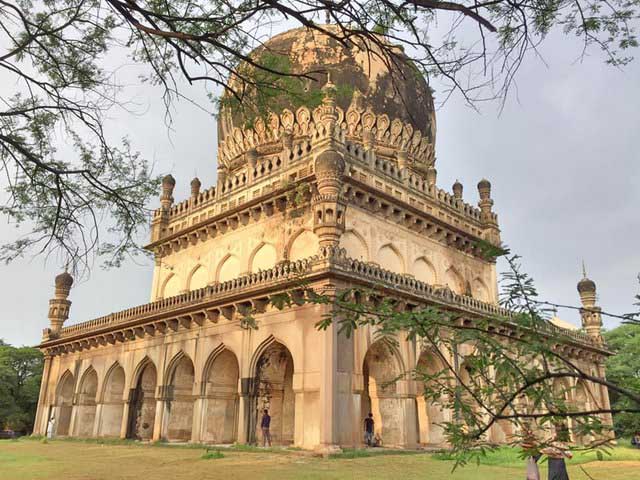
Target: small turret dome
(329,161)
(457,189)
(168,181)
(586,285)
(64,281)
(484,184)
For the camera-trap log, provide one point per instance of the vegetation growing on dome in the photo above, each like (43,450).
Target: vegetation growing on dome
(263,92)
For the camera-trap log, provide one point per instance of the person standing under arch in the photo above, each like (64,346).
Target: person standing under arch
(265,424)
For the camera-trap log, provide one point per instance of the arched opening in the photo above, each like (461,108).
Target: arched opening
(381,371)
(171,286)
(180,399)
(454,281)
(304,245)
(229,269)
(264,258)
(274,392)
(86,408)
(431,416)
(142,410)
(423,271)
(354,245)
(390,259)
(64,404)
(221,399)
(112,403)
(199,278)
(480,291)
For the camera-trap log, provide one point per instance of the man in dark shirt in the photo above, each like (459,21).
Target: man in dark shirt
(264,424)
(368,430)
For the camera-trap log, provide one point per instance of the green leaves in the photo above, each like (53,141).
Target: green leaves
(20,375)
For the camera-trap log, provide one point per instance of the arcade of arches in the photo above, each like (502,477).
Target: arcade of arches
(211,403)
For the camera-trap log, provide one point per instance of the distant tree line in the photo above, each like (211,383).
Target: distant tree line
(20,375)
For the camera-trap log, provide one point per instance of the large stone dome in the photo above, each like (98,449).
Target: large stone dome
(362,78)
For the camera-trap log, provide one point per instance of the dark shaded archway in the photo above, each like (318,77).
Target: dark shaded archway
(273,390)
(142,408)
(180,400)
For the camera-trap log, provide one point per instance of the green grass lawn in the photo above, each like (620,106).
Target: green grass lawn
(76,460)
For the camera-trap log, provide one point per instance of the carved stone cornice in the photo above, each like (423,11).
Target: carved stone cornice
(230,301)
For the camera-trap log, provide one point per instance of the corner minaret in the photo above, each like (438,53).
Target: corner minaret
(590,313)
(488,218)
(161,219)
(59,305)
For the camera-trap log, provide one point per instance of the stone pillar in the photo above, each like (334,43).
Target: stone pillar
(124,424)
(299,420)
(97,421)
(328,388)
(407,393)
(159,420)
(199,409)
(42,413)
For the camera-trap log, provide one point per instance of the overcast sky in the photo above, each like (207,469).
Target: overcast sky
(562,158)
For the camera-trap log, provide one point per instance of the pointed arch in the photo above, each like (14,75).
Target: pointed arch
(228,268)
(381,368)
(454,280)
(220,391)
(390,258)
(86,408)
(66,387)
(263,257)
(171,286)
(424,271)
(111,398)
(64,403)
(139,370)
(355,245)
(142,409)
(198,277)
(302,244)
(113,378)
(431,415)
(179,379)
(273,368)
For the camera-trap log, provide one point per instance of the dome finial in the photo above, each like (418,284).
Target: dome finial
(584,270)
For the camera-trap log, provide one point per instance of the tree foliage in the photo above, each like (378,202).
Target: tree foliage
(624,369)
(20,375)
(80,192)
(507,372)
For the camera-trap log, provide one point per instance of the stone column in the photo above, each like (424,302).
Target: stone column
(74,415)
(159,420)
(328,391)
(97,421)
(298,427)
(199,408)
(124,424)
(42,417)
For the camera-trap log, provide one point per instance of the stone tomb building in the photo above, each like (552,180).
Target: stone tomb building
(341,192)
